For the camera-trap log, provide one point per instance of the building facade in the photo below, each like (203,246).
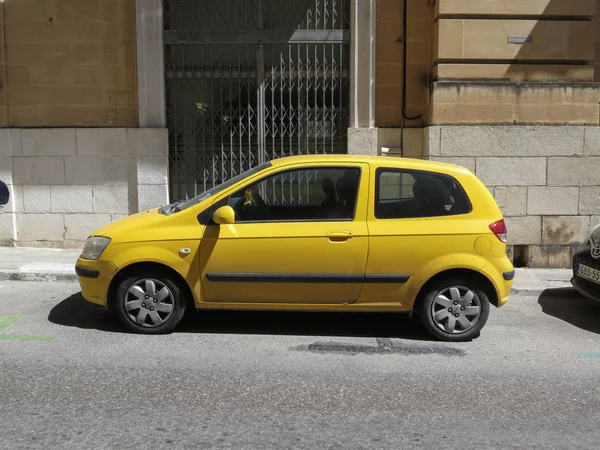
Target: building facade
(109,107)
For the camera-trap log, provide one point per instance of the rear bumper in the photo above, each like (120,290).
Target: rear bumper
(501,273)
(94,279)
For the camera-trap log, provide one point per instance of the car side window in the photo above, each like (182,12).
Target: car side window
(401,194)
(309,194)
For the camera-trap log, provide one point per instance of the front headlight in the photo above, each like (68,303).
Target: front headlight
(94,247)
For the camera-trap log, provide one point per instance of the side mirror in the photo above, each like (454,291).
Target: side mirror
(4,194)
(225,215)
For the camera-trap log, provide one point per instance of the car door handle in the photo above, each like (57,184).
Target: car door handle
(339,235)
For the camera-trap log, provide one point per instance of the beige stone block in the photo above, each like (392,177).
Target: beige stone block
(523,72)
(500,194)
(549,256)
(80,226)
(115,217)
(524,230)
(38,170)
(71,199)
(36,199)
(27,116)
(565,230)
(40,227)
(39,53)
(48,142)
(101,142)
(389,53)
(516,201)
(582,114)
(363,141)
(524,171)
(594,223)
(75,116)
(589,200)
(89,53)
(151,196)
(413,141)
(6,169)
(18,75)
(111,199)
(455,113)
(16,195)
(27,96)
(591,141)
(432,137)
(7,229)
(583,171)
(77,10)
(468,162)
(511,140)
(552,200)
(120,97)
(488,39)
(451,7)
(96,170)
(450,39)
(388,95)
(571,8)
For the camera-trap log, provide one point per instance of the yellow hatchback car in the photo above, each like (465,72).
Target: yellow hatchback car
(318,233)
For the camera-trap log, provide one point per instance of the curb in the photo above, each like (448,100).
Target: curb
(36,276)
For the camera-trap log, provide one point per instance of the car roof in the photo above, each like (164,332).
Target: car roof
(383,161)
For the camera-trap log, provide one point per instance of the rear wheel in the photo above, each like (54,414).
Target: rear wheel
(454,309)
(151,303)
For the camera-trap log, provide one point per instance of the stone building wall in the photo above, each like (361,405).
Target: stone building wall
(66,182)
(68,63)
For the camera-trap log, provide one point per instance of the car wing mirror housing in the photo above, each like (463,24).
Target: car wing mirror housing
(4,194)
(225,215)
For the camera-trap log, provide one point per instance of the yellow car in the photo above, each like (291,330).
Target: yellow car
(319,233)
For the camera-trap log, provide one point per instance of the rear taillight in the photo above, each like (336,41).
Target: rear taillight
(499,229)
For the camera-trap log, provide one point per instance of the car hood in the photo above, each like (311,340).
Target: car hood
(151,225)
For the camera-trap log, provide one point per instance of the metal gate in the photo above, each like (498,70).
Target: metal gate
(252,80)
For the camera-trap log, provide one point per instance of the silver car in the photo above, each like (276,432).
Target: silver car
(586,267)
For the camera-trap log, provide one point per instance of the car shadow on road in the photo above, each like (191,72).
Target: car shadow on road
(74,311)
(567,305)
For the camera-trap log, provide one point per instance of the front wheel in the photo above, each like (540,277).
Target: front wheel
(151,303)
(454,310)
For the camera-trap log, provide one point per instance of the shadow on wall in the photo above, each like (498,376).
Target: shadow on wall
(556,49)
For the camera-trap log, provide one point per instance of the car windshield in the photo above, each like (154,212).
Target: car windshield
(184,204)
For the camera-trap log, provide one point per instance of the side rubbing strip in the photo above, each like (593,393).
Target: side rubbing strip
(386,278)
(304,278)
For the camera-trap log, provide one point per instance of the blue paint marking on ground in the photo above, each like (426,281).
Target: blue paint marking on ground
(589,355)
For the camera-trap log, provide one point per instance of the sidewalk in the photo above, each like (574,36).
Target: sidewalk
(36,264)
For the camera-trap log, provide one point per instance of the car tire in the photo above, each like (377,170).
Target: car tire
(151,303)
(454,309)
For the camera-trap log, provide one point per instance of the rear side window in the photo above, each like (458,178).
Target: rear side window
(401,194)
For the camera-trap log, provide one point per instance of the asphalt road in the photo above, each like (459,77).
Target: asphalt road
(72,378)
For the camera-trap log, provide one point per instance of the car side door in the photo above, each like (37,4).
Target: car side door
(300,236)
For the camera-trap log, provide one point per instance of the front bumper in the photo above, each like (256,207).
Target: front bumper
(585,287)
(94,279)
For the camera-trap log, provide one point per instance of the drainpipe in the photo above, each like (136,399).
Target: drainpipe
(405,116)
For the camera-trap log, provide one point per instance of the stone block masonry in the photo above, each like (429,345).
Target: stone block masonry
(67,182)
(545,179)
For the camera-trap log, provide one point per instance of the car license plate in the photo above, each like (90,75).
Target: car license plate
(588,273)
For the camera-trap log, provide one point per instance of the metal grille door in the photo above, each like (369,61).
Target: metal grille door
(252,80)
